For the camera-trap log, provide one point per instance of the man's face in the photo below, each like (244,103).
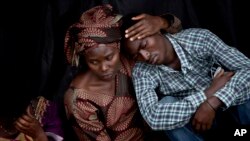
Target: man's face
(150,49)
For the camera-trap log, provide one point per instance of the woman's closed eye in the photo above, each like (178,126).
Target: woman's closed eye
(135,57)
(110,57)
(143,44)
(94,62)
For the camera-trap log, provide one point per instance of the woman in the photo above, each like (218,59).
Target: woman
(100,102)
(41,122)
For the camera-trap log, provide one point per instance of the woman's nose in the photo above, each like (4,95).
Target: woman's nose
(104,67)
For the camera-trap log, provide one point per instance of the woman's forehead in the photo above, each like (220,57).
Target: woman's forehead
(100,50)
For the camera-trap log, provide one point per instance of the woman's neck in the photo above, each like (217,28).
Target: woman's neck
(92,83)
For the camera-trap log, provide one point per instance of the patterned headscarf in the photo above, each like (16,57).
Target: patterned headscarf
(98,25)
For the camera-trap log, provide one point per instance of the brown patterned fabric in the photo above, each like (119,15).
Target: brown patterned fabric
(97,25)
(100,116)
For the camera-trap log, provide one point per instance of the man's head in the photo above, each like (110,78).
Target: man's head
(95,39)
(150,49)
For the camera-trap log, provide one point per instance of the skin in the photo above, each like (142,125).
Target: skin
(156,49)
(103,61)
(146,26)
(103,64)
(204,115)
(28,125)
(145,50)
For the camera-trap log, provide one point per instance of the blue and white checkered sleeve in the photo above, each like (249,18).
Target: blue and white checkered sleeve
(237,90)
(161,116)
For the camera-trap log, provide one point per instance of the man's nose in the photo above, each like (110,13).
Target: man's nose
(145,54)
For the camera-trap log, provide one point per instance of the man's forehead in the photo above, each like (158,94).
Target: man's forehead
(133,46)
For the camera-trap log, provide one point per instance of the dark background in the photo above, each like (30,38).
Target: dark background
(32,38)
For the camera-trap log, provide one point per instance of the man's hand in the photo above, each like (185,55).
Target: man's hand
(146,26)
(219,81)
(203,118)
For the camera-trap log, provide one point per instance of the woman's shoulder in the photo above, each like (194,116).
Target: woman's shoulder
(80,80)
(127,65)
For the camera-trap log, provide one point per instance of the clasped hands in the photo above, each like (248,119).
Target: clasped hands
(206,112)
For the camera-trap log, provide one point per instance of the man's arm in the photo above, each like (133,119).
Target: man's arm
(148,25)
(205,114)
(236,91)
(161,116)
(172,24)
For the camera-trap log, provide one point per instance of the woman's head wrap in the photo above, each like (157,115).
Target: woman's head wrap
(98,25)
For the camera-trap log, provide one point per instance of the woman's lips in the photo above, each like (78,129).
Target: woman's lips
(107,76)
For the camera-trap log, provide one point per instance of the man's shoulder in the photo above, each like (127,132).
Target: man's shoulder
(193,31)
(142,67)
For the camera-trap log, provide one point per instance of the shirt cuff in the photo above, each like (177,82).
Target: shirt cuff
(227,96)
(197,99)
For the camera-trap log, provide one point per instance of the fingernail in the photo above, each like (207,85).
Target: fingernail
(126,31)
(131,39)
(138,37)
(126,35)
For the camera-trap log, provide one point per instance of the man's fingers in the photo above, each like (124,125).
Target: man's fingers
(139,17)
(203,127)
(230,74)
(135,26)
(197,127)
(143,35)
(140,34)
(209,126)
(219,73)
(138,30)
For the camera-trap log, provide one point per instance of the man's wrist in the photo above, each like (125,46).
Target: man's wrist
(167,21)
(215,102)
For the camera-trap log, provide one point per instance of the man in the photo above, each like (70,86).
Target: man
(176,85)
(100,100)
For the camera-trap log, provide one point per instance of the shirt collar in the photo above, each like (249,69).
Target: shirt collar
(180,53)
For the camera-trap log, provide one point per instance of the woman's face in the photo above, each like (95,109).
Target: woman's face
(103,61)
(150,49)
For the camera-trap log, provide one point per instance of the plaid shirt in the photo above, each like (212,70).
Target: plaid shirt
(199,51)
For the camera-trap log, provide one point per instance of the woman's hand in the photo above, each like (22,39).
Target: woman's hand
(30,126)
